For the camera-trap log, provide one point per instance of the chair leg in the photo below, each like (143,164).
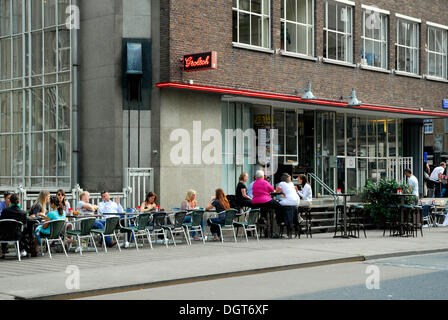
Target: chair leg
(220,232)
(245,233)
(203,235)
(174,239)
(63,247)
(165,239)
(49,250)
(18,250)
(80,245)
(256,234)
(186,237)
(93,241)
(104,242)
(135,240)
(149,239)
(234,234)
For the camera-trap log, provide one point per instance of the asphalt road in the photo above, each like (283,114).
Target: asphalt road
(401,278)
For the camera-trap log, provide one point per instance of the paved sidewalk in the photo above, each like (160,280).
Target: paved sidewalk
(42,277)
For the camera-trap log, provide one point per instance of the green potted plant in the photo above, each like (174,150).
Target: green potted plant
(378,196)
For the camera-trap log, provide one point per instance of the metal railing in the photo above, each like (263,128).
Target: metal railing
(137,180)
(396,167)
(328,189)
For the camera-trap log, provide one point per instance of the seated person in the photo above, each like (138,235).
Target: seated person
(84,207)
(38,209)
(262,196)
(62,199)
(14,212)
(56,213)
(289,202)
(305,193)
(150,202)
(242,198)
(190,204)
(60,194)
(5,203)
(107,206)
(220,203)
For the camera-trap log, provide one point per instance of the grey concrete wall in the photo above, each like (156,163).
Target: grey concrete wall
(178,109)
(137,24)
(100,110)
(155,97)
(103,125)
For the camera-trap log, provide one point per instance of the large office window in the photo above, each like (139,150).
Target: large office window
(297,23)
(437,52)
(407,46)
(35,94)
(338,31)
(374,39)
(251,22)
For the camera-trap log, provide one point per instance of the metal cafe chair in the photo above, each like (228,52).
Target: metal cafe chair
(140,228)
(11,232)
(228,223)
(86,225)
(177,227)
(196,224)
(156,226)
(250,224)
(109,230)
(56,229)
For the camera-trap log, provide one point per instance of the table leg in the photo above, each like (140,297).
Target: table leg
(345,217)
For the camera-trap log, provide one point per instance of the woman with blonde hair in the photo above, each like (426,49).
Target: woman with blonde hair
(190,202)
(38,209)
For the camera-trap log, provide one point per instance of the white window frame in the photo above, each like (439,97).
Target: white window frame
(428,126)
(416,25)
(307,25)
(382,42)
(443,56)
(263,15)
(348,36)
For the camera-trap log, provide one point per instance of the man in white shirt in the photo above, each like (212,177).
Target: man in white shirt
(436,179)
(413,183)
(107,206)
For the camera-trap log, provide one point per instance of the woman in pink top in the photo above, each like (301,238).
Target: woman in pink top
(261,191)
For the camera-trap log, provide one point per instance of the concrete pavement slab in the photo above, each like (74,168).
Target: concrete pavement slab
(42,277)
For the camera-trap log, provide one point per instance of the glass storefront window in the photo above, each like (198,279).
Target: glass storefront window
(362,137)
(35,116)
(340,134)
(352,128)
(291,128)
(279,124)
(372,173)
(392,136)
(372,135)
(400,137)
(382,138)
(328,133)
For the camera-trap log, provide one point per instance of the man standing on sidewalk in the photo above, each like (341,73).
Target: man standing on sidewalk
(436,179)
(413,183)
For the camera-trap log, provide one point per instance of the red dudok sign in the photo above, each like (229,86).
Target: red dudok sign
(200,61)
